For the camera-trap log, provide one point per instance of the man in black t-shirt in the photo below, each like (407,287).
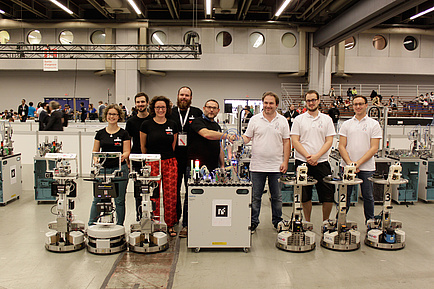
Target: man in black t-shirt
(291,114)
(183,114)
(204,145)
(133,128)
(334,113)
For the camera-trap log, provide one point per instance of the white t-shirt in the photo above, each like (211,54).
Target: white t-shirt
(38,111)
(359,135)
(313,132)
(267,142)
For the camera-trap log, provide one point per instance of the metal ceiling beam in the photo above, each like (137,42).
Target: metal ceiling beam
(172,9)
(359,17)
(31,9)
(100,9)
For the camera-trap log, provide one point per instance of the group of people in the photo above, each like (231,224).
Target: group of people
(183,133)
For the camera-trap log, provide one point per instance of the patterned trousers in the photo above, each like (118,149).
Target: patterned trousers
(169,177)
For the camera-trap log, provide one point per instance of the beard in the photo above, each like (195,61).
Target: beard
(312,109)
(183,104)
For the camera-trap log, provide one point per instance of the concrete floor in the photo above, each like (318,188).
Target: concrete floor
(24,262)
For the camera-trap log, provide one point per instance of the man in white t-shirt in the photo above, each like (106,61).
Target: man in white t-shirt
(312,136)
(269,133)
(359,140)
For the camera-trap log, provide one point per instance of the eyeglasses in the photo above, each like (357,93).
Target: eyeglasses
(359,104)
(211,107)
(160,107)
(311,100)
(112,114)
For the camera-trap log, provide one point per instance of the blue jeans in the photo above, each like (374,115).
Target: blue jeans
(119,201)
(258,183)
(367,189)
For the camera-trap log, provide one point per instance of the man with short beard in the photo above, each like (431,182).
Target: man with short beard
(133,128)
(183,114)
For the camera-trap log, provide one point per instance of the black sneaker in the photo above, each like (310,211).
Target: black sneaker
(253,228)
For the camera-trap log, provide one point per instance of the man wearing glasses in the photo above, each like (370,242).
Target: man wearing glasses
(269,133)
(359,138)
(204,145)
(312,136)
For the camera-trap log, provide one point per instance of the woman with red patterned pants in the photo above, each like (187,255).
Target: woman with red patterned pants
(158,136)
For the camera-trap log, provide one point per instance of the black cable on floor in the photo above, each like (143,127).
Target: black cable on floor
(174,263)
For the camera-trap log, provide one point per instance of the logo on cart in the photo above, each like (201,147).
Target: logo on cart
(221,211)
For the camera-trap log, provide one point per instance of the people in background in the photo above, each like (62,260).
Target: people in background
(158,136)
(183,114)
(334,113)
(392,102)
(113,139)
(92,112)
(32,110)
(269,133)
(132,126)
(376,100)
(101,107)
(312,136)
(43,116)
(332,92)
(83,112)
(354,91)
(55,120)
(349,92)
(247,114)
(359,139)
(23,110)
(291,114)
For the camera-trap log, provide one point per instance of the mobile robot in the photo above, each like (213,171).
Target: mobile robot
(341,234)
(296,235)
(66,233)
(383,232)
(105,237)
(148,235)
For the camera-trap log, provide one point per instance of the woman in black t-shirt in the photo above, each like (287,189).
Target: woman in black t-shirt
(158,136)
(113,139)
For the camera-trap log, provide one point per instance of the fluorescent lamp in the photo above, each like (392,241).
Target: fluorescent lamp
(283,7)
(63,7)
(422,13)
(158,39)
(208,7)
(2,12)
(133,4)
(258,42)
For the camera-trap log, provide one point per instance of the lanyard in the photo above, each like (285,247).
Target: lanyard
(185,119)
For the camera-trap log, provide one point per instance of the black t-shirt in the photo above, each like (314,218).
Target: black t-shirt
(181,151)
(334,114)
(133,128)
(159,137)
(291,114)
(112,143)
(206,151)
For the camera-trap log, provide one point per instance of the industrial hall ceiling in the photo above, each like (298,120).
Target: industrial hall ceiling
(333,20)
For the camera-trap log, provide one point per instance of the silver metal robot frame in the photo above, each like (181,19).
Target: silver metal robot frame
(66,233)
(148,235)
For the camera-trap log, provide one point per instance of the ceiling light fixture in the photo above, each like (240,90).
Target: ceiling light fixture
(133,4)
(422,13)
(208,7)
(2,12)
(283,7)
(62,6)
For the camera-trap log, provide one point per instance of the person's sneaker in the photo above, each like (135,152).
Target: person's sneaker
(183,233)
(253,228)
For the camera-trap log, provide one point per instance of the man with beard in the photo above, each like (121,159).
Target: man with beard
(133,128)
(269,133)
(183,114)
(312,136)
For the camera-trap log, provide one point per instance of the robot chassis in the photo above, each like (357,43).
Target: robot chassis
(383,232)
(340,234)
(66,233)
(296,235)
(148,235)
(6,131)
(105,237)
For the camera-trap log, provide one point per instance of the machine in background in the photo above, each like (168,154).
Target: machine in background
(66,233)
(105,237)
(42,182)
(296,235)
(383,232)
(10,168)
(148,235)
(340,234)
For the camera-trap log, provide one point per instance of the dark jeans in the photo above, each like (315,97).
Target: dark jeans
(367,189)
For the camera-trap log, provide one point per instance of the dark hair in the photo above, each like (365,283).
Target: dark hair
(115,106)
(310,92)
(31,103)
(213,100)
(191,91)
(270,93)
(160,98)
(364,97)
(140,94)
(82,103)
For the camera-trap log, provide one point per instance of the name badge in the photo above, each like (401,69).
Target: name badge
(182,139)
